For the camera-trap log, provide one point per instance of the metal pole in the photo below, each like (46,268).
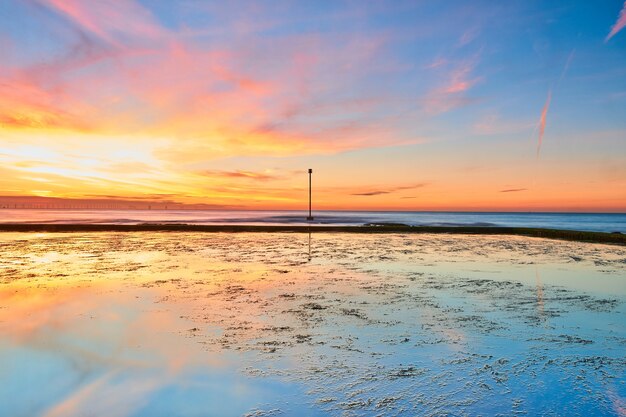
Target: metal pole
(310,216)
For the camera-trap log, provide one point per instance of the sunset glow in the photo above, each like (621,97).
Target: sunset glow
(404,105)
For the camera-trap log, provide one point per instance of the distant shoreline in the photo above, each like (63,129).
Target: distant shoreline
(571,235)
(317,211)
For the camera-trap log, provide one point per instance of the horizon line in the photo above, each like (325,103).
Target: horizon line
(486,211)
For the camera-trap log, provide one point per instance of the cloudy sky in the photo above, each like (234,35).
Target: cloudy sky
(444,105)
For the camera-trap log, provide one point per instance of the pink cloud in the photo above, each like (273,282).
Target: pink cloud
(460,80)
(619,24)
(124,73)
(451,94)
(24,104)
(109,20)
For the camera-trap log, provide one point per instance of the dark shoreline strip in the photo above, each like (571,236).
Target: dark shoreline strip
(593,237)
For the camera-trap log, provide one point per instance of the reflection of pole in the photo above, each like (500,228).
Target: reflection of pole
(309,245)
(539,294)
(310,216)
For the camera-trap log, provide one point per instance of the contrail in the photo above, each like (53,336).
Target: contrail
(542,121)
(544,112)
(619,24)
(567,64)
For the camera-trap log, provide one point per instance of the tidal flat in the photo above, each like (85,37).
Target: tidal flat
(156,324)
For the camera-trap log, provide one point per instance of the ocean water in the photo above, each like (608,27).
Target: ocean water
(595,222)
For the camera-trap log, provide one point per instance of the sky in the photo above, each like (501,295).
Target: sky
(395,105)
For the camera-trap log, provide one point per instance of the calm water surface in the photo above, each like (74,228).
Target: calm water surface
(599,222)
(194,324)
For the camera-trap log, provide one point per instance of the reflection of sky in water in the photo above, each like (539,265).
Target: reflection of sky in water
(214,324)
(85,351)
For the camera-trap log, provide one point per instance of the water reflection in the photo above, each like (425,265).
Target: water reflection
(103,349)
(309,259)
(540,311)
(224,325)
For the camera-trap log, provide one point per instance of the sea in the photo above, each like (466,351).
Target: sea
(594,222)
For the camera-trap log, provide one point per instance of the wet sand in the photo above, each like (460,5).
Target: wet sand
(264,324)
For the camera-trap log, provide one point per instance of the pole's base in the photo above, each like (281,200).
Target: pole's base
(309,218)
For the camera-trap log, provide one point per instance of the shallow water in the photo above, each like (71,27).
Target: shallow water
(593,222)
(193,324)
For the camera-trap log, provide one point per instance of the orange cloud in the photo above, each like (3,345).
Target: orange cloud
(212,101)
(119,103)
(124,79)
(249,175)
(24,105)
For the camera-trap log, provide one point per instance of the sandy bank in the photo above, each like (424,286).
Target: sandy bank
(571,235)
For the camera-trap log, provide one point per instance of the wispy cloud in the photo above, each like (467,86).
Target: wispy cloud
(461,79)
(451,94)
(124,71)
(492,124)
(160,198)
(568,62)
(468,36)
(436,63)
(248,175)
(390,190)
(116,22)
(371,193)
(619,24)
(513,190)
(542,122)
(109,201)
(141,98)
(544,112)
